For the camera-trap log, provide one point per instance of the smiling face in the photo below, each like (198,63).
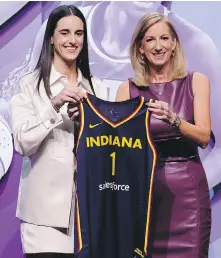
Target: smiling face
(158,44)
(68,39)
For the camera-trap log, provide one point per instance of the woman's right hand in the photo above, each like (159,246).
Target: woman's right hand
(68,95)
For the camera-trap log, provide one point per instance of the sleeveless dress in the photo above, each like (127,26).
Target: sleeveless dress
(181,214)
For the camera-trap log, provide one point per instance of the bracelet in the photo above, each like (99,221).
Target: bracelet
(176,122)
(56,107)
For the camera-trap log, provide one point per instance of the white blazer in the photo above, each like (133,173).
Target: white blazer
(46,189)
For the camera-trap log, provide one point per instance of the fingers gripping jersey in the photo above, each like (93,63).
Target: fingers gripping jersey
(115,169)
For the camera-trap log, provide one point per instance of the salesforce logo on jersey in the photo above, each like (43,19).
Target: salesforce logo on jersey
(114,187)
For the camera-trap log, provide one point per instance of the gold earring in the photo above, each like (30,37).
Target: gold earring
(142,56)
(173,52)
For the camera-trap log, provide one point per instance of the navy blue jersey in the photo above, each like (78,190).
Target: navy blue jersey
(116,160)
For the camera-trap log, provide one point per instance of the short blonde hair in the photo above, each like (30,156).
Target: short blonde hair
(141,67)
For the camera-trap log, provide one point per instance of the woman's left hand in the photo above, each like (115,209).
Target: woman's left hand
(162,111)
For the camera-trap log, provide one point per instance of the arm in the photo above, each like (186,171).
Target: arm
(123,92)
(29,126)
(200,132)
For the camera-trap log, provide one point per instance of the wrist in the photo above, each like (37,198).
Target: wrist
(175,123)
(172,118)
(55,106)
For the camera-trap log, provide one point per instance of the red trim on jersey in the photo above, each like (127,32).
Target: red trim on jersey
(150,141)
(81,124)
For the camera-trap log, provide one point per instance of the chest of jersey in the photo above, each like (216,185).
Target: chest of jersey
(115,166)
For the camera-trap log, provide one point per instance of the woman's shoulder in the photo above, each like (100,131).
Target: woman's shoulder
(28,81)
(30,77)
(124,85)
(194,75)
(123,92)
(200,80)
(199,76)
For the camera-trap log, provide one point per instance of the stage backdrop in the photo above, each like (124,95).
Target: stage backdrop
(110,27)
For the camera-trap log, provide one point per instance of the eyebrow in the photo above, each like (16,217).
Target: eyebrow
(161,35)
(67,30)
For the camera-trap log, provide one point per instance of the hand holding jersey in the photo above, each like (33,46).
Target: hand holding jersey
(69,95)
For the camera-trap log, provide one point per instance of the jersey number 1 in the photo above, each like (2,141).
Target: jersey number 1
(113,157)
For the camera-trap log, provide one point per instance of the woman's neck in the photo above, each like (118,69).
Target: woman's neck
(70,70)
(160,74)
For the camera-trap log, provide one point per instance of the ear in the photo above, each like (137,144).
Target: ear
(174,43)
(52,41)
(141,49)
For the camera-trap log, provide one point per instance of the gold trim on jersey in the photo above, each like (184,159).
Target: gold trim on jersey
(114,125)
(81,124)
(78,222)
(151,179)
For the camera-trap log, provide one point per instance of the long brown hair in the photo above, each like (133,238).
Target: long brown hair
(46,57)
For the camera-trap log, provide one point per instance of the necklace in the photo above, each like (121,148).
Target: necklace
(159,87)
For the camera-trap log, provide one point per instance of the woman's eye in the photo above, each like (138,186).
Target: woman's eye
(79,33)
